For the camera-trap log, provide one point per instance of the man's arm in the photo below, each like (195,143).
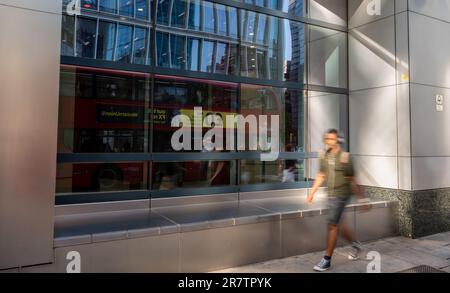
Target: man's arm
(320,178)
(357,189)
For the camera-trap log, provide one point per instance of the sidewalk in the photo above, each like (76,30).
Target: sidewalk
(397,254)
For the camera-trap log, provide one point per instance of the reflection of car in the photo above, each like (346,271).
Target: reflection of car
(89,4)
(107,176)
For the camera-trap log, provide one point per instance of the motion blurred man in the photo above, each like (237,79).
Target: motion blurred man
(337,169)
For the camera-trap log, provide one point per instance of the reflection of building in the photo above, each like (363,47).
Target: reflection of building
(295,72)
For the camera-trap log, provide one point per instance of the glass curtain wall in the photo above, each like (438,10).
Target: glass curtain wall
(147,86)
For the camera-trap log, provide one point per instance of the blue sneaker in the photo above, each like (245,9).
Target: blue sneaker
(323,265)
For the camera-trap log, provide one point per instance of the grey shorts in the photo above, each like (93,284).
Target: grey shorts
(336,208)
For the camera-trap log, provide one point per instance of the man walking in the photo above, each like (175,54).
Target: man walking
(337,169)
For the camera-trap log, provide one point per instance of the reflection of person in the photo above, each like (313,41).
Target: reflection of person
(337,169)
(289,168)
(198,97)
(219,172)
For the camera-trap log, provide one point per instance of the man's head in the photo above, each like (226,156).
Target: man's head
(331,138)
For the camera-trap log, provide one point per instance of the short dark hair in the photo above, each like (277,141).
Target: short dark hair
(332,131)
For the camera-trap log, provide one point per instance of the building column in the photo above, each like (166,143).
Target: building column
(397,67)
(29,75)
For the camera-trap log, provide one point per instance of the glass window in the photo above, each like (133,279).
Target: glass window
(142,9)
(274,172)
(124,43)
(258,100)
(101,177)
(179,96)
(274,3)
(248,61)
(207,56)
(89,4)
(193,57)
(194,15)
(126,7)
(109,6)
(222,23)
(162,15)
(178,18)
(262,64)
(259,3)
(209,17)
(261,29)
(327,57)
(248,27)
(67,35)
(193,174)
(221,58)
(86,31)
(102,111)
(298,7)
(140,45)
(233,60)
(294,52)
(233,22)
(105,41)
(293,124)
(177,47)
(162,49)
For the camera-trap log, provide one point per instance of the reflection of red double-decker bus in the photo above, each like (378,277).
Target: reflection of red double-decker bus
(102,111)
(108,111)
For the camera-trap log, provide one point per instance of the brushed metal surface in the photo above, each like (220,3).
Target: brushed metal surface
(188,200)
(376,223)
(214,249)
(50,6)
(96,223)
(29,77)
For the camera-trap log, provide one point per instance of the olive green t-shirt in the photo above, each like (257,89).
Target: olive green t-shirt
(337,169)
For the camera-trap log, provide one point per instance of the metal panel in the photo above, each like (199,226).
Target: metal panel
(369,135)
(372,55)
(52,6)
(434,9)
(101,207)
(29,74)
(357,12)
(385,219)
(188,200)
(269,194)
(429,49)
(303,235)
(431,129)
(215,249)
(308,234)
(151,254)
(378,171)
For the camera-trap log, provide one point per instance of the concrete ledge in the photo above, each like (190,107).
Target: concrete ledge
(213,224)
(74,240)
(138,233)
(222,243)
(110,236)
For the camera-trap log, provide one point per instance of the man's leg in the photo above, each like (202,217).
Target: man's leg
(347,233)
(333,232)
